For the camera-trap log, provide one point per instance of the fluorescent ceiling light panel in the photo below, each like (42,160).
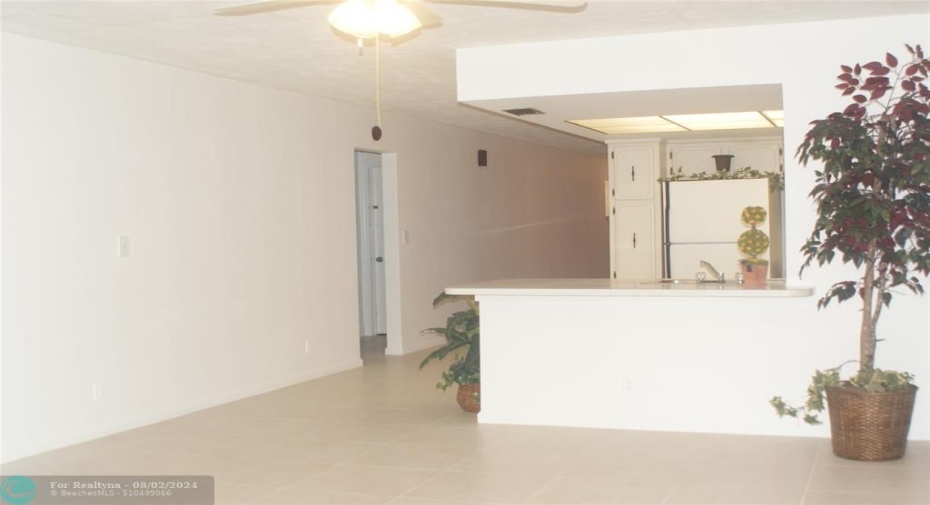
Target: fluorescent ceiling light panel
(684,122)
(614,126)
(777,117)
(723,121)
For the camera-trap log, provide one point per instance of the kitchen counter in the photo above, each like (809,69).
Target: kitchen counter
(621,287)
(642,355)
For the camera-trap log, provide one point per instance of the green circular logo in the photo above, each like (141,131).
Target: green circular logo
(17,490)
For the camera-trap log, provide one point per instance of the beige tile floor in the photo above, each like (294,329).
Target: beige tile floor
(384,434)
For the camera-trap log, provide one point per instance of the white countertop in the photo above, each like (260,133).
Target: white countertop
(628,287)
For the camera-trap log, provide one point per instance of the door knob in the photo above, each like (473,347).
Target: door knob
(379,259)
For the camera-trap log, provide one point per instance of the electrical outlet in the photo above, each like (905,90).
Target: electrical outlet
(122,246)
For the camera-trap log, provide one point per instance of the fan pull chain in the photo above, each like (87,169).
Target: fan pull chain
(376,131)
(378,76)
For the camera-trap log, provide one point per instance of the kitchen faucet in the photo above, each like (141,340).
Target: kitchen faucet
(719,277)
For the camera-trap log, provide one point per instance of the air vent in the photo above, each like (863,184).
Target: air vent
(528,111)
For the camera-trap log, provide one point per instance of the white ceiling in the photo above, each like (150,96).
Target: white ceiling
(295,49)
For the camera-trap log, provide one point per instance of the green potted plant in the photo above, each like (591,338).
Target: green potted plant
(873,211)
(462,340)
(752,243)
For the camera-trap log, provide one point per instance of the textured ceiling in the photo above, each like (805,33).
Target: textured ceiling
(295,49)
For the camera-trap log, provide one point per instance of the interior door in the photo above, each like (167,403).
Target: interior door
(370,234)
(377,250)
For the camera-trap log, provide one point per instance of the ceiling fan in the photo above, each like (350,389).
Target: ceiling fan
(373,19)
(365,19)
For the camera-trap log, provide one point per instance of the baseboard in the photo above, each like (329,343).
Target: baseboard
(184,409)
(420,346)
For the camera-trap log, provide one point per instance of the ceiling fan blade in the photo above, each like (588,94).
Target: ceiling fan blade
(556,5)
(267,6)
(428,18)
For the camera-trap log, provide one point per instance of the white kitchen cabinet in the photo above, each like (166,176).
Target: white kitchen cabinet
(634,171)
(764,155)
(633,240)
(690,159)
(635,168)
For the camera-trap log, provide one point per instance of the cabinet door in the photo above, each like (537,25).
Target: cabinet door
(693,159)
(633,240)
(634,173)
(762,156)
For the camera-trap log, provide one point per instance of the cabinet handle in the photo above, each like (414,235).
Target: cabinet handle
(634,240)
(633,172)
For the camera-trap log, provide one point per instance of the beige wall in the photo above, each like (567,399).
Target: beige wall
(532,212)
(238,202)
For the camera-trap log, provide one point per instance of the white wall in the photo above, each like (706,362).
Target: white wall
(804,58)
(238,204)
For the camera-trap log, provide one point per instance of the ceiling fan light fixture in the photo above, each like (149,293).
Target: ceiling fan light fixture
(364,19)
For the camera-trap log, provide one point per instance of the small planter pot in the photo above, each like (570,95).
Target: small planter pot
(870,426)
(723,162)
(469,397)
(754,276)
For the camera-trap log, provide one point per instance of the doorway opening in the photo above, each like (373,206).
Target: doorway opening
(378,252)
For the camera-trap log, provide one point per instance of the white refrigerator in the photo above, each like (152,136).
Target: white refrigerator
(701,221)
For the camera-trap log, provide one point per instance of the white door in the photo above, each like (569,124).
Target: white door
(377,255)
(370,235)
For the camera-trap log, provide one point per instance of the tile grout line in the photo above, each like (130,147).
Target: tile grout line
(810,476)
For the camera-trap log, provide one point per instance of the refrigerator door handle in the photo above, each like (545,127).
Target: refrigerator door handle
(633,172)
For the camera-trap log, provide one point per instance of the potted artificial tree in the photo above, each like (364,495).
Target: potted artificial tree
(462,338)
(873,210)
(752,243)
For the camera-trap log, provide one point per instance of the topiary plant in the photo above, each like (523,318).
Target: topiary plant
(753,242)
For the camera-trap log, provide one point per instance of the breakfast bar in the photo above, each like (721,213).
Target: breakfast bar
(639,354)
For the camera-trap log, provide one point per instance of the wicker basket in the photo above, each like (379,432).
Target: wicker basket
(870,426)
(469,397)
